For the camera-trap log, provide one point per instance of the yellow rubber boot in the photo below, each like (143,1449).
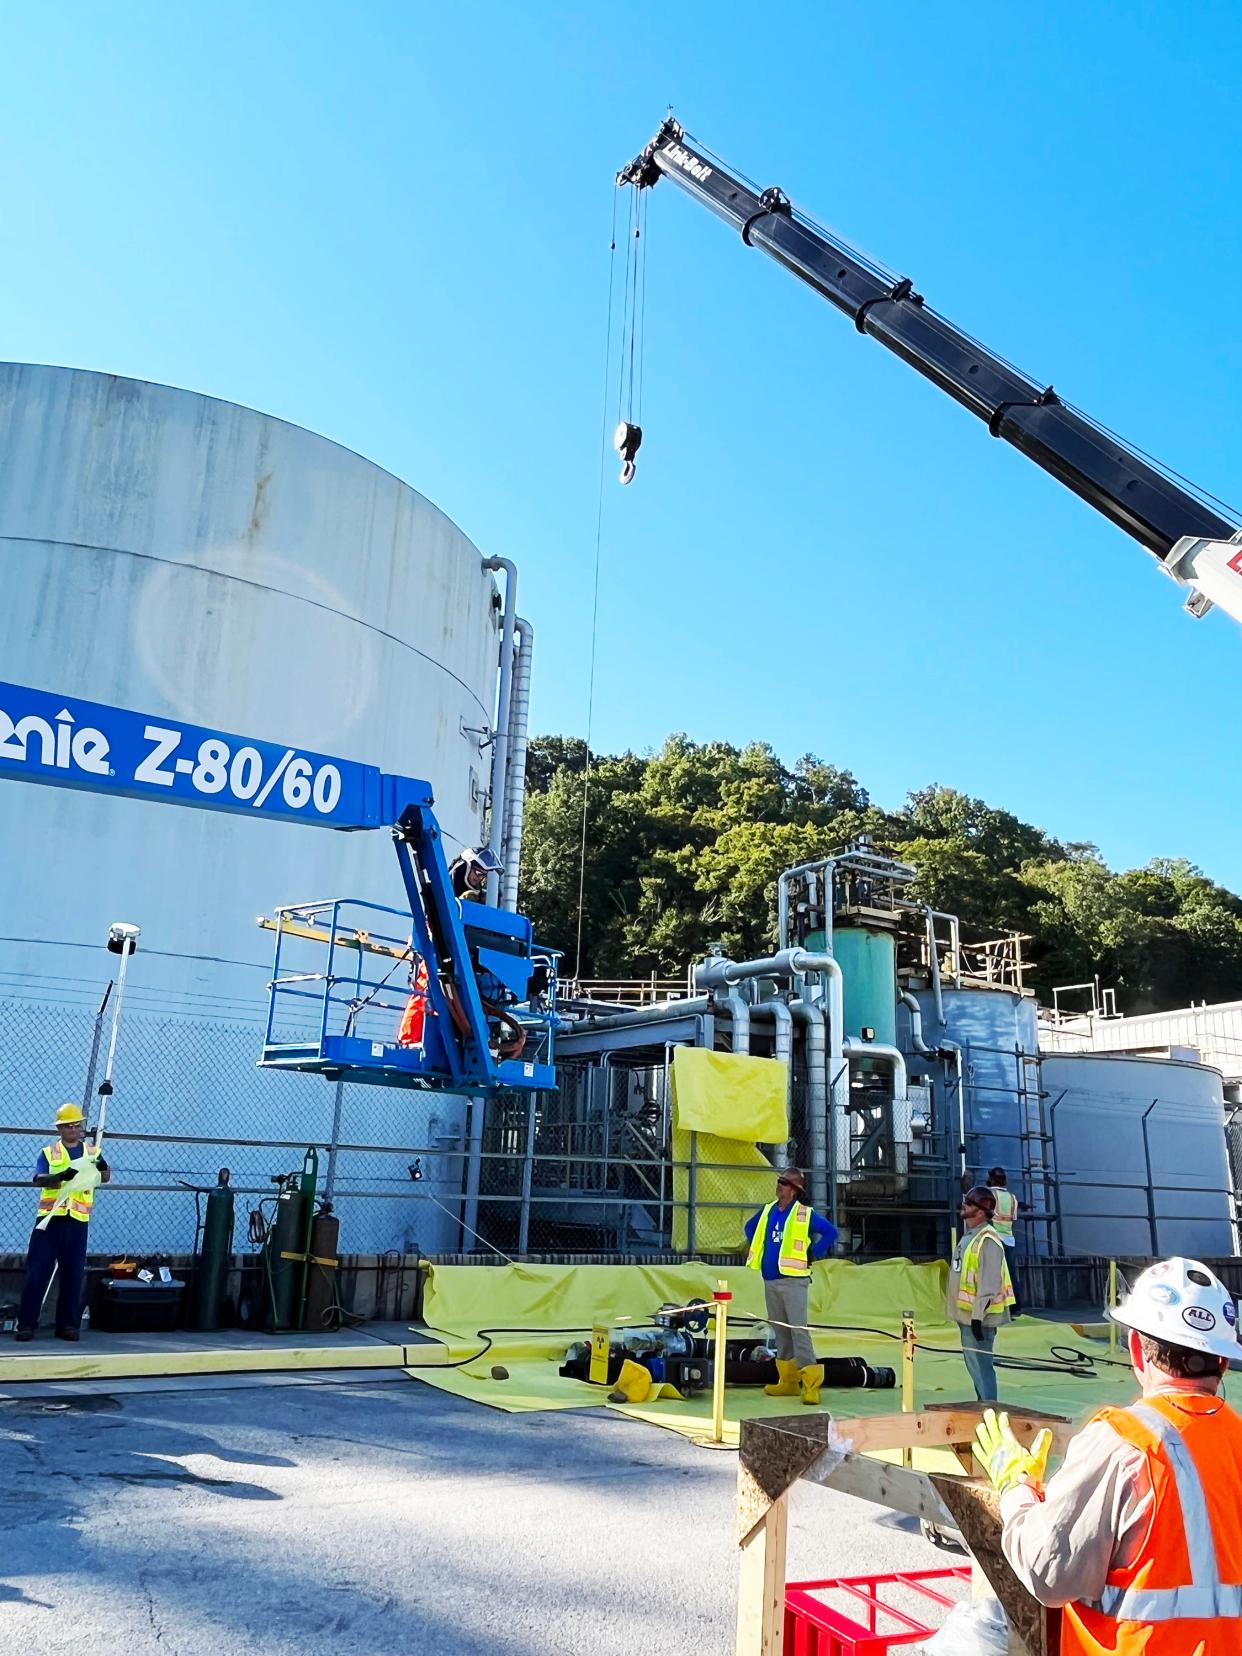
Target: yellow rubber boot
(787,1384)
(812,1379)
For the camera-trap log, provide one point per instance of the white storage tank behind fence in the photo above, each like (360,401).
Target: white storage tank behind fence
(177,555)
(1112,1119)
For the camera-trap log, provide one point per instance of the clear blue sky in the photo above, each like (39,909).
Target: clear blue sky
(389,223)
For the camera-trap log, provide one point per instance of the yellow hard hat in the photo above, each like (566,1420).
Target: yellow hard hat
(68,1113)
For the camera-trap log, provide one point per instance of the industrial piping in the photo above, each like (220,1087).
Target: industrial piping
(515,785)
(500,748)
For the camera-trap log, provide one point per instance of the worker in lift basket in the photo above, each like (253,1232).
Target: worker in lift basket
(67,1173)
(980,1293)
(785,1238)
(1139,1535)
(469,870)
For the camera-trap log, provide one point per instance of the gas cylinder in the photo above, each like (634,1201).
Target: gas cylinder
(214,1256)
(287,1237)
(321,1291)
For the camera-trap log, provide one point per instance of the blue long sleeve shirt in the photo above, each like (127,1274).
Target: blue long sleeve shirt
(823,1235)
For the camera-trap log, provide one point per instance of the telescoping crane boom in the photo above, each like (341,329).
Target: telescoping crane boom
(1192,537)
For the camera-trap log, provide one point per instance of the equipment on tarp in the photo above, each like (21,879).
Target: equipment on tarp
(677,1349)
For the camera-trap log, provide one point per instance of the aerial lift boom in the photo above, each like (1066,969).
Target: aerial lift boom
(1193,539)
(490,995)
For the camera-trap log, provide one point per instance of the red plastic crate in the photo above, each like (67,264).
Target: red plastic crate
(815,1629)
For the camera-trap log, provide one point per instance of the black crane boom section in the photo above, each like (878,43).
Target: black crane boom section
(1137,496)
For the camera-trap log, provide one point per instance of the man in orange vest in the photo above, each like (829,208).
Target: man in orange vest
(67,1174)
(1139,1535)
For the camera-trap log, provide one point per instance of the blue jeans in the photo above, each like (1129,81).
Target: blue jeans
(60,1247)
(977,1355)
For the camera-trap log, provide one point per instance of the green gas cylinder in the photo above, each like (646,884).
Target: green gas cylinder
(286,1246)
(215,1255)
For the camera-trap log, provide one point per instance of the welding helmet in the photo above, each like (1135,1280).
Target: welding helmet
(67,1114)
(482,856)
(1184,1304)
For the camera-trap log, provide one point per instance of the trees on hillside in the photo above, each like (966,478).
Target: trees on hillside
(684,848)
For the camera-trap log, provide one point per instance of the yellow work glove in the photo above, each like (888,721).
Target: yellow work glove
(1004,1459)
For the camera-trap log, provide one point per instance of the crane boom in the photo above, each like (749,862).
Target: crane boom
(1196,543)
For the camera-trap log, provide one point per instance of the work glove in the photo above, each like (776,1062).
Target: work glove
(84,1175)
(976,1328)
(1004,1459)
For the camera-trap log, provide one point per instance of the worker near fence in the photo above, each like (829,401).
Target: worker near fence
(1002,1221)
(980,1295)
(785,1238)
(1139,1535)
(66,1173)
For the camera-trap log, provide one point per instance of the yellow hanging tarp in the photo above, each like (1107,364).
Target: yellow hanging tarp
(745,1182)
(730,1095)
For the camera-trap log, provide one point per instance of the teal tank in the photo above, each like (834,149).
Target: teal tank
(868,961)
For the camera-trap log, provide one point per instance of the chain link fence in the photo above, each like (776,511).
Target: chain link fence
(595,1170)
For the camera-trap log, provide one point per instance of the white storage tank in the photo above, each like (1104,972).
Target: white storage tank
(177,555)
(1120,1125)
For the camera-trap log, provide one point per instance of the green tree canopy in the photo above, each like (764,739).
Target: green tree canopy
(684,846)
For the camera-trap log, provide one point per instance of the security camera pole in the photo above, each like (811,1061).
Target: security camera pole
(122,940)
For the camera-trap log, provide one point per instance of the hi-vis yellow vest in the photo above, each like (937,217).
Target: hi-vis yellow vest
(79,1204)
(1006,1208)
(795,1241)
(968,1279)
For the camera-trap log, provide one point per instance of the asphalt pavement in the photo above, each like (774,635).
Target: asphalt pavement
(377,1515)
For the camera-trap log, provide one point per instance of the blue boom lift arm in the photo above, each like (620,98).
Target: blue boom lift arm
(490,993)
(1194,541)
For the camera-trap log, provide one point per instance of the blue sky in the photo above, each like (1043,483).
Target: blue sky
(389,223)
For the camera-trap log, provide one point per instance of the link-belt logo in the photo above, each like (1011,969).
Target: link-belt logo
(54,744)
(698,170)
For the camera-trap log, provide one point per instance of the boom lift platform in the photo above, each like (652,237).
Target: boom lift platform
(1187,531)
(490,992)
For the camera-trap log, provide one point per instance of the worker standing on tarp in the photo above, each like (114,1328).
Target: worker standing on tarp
(980,1293)
(785,1238)
(1002,1219)
(67,1173)
(1139,1535)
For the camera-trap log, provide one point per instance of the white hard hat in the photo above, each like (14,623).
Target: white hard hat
(1182,1303)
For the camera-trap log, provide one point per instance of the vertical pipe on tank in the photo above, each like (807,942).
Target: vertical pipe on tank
(515,786)
(816,1098)
(500,749)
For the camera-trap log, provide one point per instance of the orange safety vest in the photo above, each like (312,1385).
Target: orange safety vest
(414,1018)
(1182,1596)
(968,1273)
(79,1204)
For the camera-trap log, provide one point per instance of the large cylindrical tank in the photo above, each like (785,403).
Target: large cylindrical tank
(998,1033)
(1113,1118)
(177,555)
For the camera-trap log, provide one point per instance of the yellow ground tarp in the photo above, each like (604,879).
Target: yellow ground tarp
(731,1095)
(745,1179)
(463,1299)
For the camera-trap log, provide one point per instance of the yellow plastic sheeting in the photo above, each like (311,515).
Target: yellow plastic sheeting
(731,1095)
(465,1298)
(569,1299)
(745,1179)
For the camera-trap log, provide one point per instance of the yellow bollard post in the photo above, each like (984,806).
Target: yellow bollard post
(720,1298)
(907,1374)
(1112,1306)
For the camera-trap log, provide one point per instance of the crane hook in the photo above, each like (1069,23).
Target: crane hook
(627,439)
